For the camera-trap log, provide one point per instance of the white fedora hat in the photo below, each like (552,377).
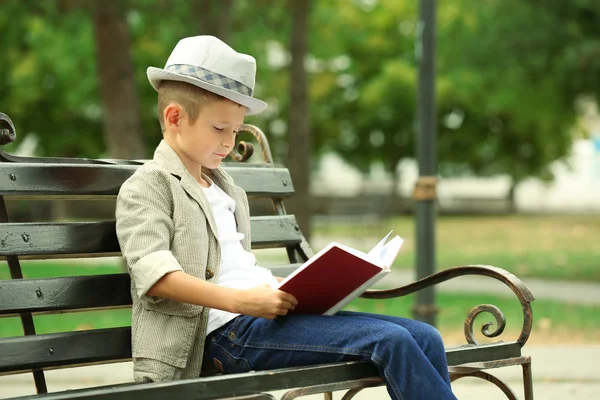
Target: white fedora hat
(207,62)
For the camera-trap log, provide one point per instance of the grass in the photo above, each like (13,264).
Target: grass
(550,247)
(554,322)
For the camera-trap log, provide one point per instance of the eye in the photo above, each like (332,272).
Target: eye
(218,129)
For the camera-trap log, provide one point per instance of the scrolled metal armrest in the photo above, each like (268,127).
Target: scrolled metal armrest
(244,150)
(515,284)
(8,134)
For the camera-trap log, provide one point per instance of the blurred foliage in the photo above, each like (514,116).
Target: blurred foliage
(48,81)
(514,83)
(371,103)
(509,74)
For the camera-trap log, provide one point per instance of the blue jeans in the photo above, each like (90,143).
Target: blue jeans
(408,354)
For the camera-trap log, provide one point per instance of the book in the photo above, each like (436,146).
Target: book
(338,274)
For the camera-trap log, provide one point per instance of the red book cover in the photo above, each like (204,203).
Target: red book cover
(328,279)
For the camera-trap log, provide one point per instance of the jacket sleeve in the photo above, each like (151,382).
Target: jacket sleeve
(145,230)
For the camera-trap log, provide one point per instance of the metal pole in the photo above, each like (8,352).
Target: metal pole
(424,308)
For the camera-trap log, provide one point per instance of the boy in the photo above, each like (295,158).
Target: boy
(184,230)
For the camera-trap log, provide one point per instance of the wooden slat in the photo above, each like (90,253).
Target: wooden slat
(25,353)
(64,238)
(274,231)
(485,352)
(62,294)
(34,240)
(73,348)
(87,181)
(263,181)
(239,384)
(63,179)
(218,387)
(51,295)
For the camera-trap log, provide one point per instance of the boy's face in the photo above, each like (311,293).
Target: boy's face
(211,137)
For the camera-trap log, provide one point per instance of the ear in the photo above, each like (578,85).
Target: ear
(172,116)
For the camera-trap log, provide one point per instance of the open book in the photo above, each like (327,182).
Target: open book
(338,274)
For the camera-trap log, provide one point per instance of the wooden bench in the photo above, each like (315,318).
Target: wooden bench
(51,178)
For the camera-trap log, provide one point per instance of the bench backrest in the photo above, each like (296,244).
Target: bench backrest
(49,179)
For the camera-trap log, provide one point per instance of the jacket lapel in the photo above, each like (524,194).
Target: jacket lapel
(167,159)
(194,190)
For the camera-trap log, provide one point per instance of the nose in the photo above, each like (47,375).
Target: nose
(229,142)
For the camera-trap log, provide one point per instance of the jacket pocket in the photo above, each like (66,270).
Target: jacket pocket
(173,308)
(148,370)
(163,337)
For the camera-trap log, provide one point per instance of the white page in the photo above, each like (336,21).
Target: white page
(385,254)
(376,250)
(389,252)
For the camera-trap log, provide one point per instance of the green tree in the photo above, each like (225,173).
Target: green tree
(122,123)
(214,16)
(299,132)
(48,84)
(366,98)
(507,108)
(505,105)
(509,74)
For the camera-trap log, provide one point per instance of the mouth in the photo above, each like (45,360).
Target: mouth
(222,155)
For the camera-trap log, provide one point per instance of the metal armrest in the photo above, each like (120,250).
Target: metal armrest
(515,284)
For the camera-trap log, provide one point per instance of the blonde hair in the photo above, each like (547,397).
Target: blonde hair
(191,98)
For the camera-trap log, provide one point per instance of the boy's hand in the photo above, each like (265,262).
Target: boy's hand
(266,302)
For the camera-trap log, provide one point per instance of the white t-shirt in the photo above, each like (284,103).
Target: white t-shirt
(238,266)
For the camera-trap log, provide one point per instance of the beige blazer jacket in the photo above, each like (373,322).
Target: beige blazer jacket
(165,224)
